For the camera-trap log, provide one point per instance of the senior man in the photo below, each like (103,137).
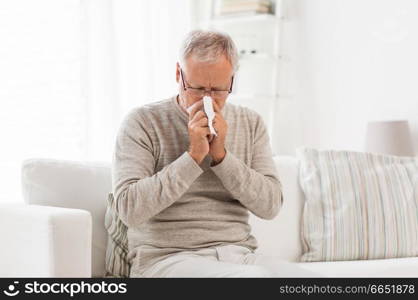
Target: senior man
(184,194)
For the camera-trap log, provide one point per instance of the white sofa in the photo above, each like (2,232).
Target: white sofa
(59,230)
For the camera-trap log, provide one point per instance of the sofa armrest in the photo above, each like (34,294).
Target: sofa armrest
(44,241)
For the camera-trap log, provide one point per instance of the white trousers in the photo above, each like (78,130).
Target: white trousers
(224,261)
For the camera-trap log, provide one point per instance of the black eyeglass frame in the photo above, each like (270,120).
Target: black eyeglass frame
(203,89)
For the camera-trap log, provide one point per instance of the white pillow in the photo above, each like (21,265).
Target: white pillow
(358,205)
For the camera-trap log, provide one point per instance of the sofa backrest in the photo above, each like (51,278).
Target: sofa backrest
(85,185)
(72,184)
(281,236)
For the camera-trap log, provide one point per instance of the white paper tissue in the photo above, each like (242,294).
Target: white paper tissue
(208,108)
(210,113)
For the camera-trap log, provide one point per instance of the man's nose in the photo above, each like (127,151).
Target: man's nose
(207,92)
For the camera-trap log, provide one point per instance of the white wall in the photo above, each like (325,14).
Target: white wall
(348,62)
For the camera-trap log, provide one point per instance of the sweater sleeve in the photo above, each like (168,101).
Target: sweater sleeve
(139,192)
(257,187)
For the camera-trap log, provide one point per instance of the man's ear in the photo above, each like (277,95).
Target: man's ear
(177,72)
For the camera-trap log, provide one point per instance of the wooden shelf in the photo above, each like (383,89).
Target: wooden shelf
(229,19)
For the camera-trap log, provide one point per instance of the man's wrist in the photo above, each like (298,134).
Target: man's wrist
(195,158)
(218,159)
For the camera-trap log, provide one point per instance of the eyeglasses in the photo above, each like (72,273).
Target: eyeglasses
(200,92)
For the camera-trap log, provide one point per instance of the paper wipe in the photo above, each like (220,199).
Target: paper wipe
(208,108)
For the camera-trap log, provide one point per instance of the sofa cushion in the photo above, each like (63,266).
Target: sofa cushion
(117,263)
(358,205)
(394,267)
(72,184)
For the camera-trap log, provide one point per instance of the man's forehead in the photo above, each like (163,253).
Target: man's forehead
(220,65)
(217,72)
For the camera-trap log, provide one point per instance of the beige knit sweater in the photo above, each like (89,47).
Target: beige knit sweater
(170,203)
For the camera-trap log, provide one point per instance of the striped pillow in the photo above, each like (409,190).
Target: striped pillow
(117,264)
(358,205)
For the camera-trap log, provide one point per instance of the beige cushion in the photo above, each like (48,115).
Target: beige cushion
(358,205)
(117,264)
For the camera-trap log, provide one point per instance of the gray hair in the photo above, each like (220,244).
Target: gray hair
(208,46)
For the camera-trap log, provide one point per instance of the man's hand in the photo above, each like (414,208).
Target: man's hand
(199,133)
(217,145)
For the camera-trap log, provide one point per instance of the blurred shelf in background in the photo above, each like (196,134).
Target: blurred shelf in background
(255,26)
